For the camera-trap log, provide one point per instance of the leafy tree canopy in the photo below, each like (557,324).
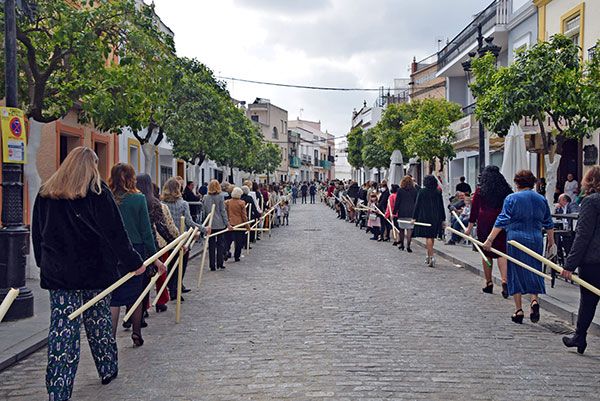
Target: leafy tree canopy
(355,146)
(374,155)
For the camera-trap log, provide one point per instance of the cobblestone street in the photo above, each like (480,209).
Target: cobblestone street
(319,311)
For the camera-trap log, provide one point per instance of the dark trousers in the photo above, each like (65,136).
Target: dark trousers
(456,225)
(239,237)
(303,198)
(385,227)
(312,198)
(294,199)
(375,231)
(64,336)
(172,285)
(229,238)
(216,247)
(588,300)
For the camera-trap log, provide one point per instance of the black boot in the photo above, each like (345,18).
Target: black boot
(575,341)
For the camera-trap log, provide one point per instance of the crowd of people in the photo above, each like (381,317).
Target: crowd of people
(87,234)
(494,214)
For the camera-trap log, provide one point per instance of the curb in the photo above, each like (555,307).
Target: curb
(547,302)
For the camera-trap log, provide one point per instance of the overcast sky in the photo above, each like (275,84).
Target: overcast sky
(346,43)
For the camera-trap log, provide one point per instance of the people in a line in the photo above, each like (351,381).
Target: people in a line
(429,208)
(134,212)
(463,186)
(163,229)
(524,214)
(584,256)
(486,205)
(172,197)
(382,204)
(404,208)
(390,214)
(236,213)
(571,187)
(189,195)
(75,207)
(220,221)
(304,191)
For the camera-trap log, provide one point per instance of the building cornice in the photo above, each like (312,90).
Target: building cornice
(541,3)
(522,15)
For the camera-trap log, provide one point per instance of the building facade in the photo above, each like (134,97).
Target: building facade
(316,150)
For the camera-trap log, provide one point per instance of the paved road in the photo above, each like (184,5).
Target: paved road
(320,312)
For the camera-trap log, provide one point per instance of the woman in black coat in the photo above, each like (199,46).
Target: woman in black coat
(403,210)
(585,256)
(429,208)
(78,240)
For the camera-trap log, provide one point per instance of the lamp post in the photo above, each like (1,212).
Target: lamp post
(484,46)
(13,234)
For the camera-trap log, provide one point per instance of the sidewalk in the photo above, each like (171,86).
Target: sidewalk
(562,300)
(20,338)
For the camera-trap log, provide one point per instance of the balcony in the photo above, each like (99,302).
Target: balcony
(326,164)
(295,162)
(306,159)
(467,132)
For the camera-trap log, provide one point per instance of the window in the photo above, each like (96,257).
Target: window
(572,24)
(275,133)
(316,157)
(254,118)
(166,172)
(67,144)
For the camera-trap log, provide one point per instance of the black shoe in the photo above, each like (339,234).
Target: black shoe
(110,378)
(221,267)
(379,239)
(451,242)
(237,259)
(144,324)
(504,290)
(374,239)
(575,341)
(395,243)
(535,312)
(489,288)
(518,317)
(401,247)
(161,308)
(127,325)
(137,339)
(185,290)
(408,249)
(146,314)
(212,269)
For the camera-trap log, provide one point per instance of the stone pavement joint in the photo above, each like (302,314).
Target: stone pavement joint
(330,315)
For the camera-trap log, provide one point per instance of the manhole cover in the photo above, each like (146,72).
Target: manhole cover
(312,229)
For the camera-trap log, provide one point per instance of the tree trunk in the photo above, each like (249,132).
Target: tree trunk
(149,151)
(34,182)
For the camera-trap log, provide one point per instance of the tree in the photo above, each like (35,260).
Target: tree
(60,52)
(547,83)
(355,147)
(374,154)
(268,158)
(390,126)
(428,134)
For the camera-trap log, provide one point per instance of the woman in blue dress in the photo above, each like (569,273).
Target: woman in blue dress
(524,214)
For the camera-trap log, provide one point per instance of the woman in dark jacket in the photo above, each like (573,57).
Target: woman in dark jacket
(486,205)
(78,238)
(404,208)
(585,256)
(429,208)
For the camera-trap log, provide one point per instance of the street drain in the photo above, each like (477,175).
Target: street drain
(557,328)
(312,229)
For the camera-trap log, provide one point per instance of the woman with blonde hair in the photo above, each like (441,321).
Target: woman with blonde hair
(78,238)
(216,244)
(134,211)
(584,256)
(173,198)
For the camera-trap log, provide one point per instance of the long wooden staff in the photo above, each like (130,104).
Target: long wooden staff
(124,279)
(234,227)
(485,258)
(248,237)
(388,220)
(10,297)
(497,252)
(554,266)
(156,276)
(205,251)
(186,242)
(179,274)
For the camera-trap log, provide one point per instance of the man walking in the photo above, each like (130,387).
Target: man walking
(313,192)
(304,191)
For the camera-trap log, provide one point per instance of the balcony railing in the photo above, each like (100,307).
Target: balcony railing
(468,110)
(295,162)
(326,164)
(487,19)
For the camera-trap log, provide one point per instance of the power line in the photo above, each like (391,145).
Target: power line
(321,88)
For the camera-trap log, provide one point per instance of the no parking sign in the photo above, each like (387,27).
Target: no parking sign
(14,137)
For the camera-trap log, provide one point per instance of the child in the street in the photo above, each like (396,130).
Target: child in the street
(285,213)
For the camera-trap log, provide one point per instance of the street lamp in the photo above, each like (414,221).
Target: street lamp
(484,46)
(13,234)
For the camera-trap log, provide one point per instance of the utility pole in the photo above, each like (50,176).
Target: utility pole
(13,234)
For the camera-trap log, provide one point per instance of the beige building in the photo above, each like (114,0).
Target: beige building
(424,82)
(273,122)
(316,150)
(579,20)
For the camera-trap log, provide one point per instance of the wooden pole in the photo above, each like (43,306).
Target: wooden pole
(388,220)
(156,276)
(554,266)
(179,275)
(12,294)
(124,279)
(485,258)
(234,227)
(497,252)
(205,251)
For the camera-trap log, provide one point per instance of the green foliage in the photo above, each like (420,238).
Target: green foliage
(390,126)
(355,147)
(428,134)
(65,46)
(547,80)
(374,155)
(268,158)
